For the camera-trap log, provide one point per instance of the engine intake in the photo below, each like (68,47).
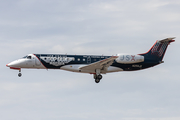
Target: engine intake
(129,59)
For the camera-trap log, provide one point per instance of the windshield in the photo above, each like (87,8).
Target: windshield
(28,57)
(25,56)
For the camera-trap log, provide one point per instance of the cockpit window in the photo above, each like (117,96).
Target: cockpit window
(28,57)
(25,57)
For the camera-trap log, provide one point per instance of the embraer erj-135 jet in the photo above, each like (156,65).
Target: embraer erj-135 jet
(94,64)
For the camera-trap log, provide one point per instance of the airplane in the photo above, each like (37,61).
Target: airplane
(95,64)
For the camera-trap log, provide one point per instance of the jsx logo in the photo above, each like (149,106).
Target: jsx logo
(133,56)
(127,58)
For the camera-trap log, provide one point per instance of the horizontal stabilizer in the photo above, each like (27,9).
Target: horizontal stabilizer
(167,40)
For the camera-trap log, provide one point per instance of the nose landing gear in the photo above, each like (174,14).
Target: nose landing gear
(20,74)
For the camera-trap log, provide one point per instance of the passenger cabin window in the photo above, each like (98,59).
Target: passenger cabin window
(28,57)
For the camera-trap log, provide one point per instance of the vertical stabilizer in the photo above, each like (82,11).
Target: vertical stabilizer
(157,51)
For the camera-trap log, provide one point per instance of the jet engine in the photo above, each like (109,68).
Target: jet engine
(129,59)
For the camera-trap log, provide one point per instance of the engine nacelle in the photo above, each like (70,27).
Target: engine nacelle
(129,59)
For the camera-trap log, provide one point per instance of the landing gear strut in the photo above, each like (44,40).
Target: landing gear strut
(97,78)
(20,74)
(97,75)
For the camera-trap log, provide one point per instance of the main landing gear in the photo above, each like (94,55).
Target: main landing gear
(20,74)
(97,76)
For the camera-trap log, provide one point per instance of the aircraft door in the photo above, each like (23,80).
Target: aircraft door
(33,61)
(30,61)
(37,62)
(89,59)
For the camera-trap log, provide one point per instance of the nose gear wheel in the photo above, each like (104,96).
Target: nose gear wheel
(20,74)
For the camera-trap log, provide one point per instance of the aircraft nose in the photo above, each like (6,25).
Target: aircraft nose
(7,65)
(10,64)
(13,64)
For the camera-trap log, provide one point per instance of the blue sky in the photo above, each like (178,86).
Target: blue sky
(98,27)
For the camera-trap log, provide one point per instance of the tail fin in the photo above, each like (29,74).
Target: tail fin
(157,51)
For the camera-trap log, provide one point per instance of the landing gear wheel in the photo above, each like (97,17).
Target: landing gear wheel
(97,80)
(99,77)
(19,74)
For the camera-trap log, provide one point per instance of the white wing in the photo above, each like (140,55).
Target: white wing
(102,65)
